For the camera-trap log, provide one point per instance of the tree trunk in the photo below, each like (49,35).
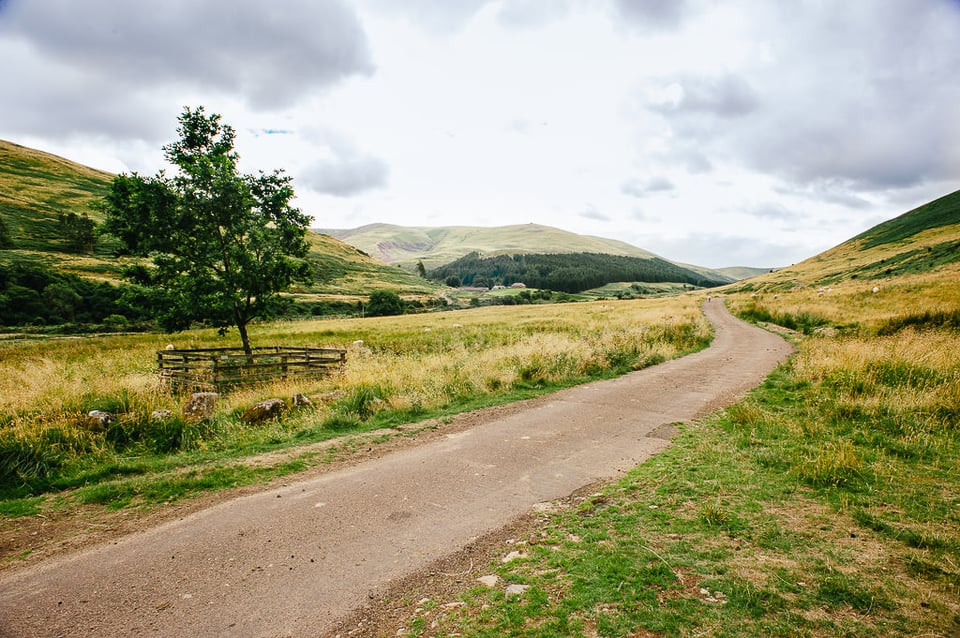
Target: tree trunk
(244,339)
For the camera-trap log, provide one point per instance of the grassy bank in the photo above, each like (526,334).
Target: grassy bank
(825,504)
(399,370)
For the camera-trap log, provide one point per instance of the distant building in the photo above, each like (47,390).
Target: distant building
(518,285)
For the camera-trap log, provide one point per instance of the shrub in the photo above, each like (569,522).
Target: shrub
(384,303)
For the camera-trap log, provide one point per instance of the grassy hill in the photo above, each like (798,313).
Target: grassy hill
(436,246)
(36,188)
(902,272)
(919,241)
(440,246)
(571,273)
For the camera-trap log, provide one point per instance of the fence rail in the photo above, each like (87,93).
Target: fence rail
(219,369)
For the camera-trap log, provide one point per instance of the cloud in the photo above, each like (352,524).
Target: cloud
(529,14)
(77,104)
(345,177)
(639,188)
(850,102)
(592,213)
(436,16)
(119,57)
(652,14)
(345,171)
(772,210)
(724,96)
(719,251)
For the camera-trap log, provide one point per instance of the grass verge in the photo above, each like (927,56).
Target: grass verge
(825,504)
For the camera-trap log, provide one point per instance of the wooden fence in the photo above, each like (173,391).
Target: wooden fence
(219,369)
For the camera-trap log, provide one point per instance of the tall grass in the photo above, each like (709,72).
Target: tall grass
(824,504)
(398,369)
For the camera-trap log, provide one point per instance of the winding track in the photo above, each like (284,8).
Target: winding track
(292,561)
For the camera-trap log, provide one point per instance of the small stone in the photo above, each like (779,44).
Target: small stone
(516,590)
(490,580)
(264,411)
(512,556)
(200,406)
(302,401)
(160,415)
(98,419)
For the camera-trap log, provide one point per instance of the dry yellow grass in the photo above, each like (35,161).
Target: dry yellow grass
(418,362)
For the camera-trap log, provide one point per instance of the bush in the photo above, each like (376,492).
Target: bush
(384,303)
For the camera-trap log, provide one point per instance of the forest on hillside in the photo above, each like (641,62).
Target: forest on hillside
(571,272)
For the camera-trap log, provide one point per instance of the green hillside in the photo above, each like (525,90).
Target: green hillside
(944,211)
(919,241)
(436,246)
(570,272)
(741,272)
(37,189)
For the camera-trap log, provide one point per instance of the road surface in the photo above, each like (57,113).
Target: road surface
(292,561)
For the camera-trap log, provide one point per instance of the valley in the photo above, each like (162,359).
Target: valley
(824,502)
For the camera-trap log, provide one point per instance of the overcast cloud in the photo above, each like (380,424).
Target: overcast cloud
(741,132)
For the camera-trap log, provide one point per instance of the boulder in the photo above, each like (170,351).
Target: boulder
(489,580)
(98,419)
(200,406)
(264,411)
(302,401)
(160,415)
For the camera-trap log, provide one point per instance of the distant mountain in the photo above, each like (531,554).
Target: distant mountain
(567,272)
(437,246)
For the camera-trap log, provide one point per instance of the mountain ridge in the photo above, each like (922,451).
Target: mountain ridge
(437,246)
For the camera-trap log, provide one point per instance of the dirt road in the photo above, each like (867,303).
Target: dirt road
(291,561)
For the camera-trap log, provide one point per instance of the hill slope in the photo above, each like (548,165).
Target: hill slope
(922,240)
(570,272)
(37,187)
(436,246)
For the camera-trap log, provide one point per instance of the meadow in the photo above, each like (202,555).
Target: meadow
(825,503)
(399,370)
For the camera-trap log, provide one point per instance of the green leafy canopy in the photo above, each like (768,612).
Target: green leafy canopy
(223,244)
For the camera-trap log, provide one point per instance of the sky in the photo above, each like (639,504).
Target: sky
(717,133)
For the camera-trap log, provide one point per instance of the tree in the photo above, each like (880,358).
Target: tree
(5,239)
(384,303)
(421,269)
(78,231)
(223,244)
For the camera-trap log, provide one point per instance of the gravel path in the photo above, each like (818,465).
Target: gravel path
(291,561)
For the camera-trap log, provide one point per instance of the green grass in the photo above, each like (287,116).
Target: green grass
(795,512)
(940,212)
(402,374)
